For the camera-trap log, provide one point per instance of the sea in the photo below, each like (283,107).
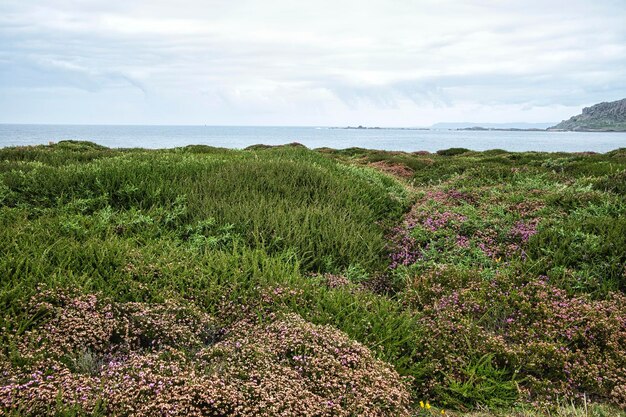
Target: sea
(238,137)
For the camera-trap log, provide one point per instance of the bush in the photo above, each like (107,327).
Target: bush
(91,355)
(452,151)
(614,183)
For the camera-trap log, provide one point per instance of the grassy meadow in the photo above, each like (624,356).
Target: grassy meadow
(288,281)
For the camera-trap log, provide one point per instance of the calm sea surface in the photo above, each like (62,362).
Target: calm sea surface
(312,137)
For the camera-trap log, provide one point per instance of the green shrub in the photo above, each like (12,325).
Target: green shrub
(452,151)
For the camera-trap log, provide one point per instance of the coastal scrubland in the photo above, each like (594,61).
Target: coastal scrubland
(288,281)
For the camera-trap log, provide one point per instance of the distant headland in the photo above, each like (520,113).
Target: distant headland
(602,117)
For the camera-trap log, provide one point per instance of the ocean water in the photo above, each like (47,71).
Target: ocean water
(313,137)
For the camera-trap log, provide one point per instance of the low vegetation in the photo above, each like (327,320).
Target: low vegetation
(286,281)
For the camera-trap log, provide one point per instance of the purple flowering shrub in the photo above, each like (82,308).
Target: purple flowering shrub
(453,226)
(498,332)
(71,324)
(549,343)
(90,354)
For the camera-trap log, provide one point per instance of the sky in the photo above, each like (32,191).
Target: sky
(308,63)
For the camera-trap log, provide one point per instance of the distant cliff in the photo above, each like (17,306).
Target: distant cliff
(602,117)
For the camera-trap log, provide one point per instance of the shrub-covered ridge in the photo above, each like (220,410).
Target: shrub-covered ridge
(487,279)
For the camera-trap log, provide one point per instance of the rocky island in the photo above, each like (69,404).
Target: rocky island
(602,117)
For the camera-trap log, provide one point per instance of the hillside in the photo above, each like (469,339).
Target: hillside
(602,117)
(284,281)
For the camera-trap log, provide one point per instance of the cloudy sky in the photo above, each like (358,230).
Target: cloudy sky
(322,62)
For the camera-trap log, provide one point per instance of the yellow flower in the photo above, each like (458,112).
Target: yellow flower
(427,405)
(443,412)
(422,404)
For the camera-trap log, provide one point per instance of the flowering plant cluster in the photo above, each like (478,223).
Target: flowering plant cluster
(497,332)
(451,226)
(87,353)
(553,345)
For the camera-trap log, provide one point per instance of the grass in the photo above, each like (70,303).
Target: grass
(489,279)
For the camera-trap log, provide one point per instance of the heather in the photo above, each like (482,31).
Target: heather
(282,280)
(168,359)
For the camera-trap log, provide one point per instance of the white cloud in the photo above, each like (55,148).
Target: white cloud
(402,62)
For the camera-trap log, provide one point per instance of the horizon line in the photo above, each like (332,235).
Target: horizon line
(476,124)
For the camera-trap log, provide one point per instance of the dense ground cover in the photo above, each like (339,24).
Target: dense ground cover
(277,280)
